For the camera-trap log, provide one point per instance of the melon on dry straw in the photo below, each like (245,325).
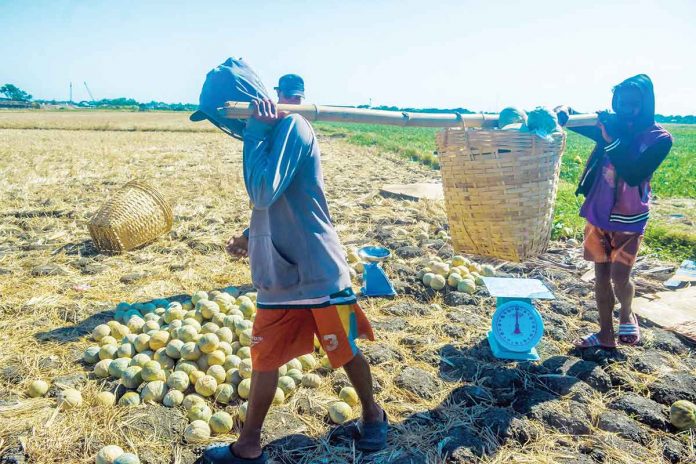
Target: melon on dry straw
(197,431)
(69,399)
(340,412)
(108,454)
(682,415)
(37,388)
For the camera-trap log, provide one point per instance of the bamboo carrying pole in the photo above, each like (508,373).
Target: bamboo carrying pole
(243,110)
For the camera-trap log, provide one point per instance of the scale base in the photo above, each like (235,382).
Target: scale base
(501,353)
(375,282)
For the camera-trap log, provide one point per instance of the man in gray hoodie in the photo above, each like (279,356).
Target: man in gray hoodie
(301,276)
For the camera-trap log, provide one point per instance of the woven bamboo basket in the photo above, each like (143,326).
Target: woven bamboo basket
(500,189)
(135,215)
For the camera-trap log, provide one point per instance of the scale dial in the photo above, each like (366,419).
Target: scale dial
(517,326)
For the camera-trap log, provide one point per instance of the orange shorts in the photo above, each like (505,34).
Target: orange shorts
(280,335)
(605,246)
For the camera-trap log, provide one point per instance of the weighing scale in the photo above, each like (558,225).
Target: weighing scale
(375,281)
(517,326)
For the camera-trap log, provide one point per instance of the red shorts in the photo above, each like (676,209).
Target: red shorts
(280,335)
(605,246)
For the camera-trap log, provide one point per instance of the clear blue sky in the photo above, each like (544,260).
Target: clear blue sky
(481,55)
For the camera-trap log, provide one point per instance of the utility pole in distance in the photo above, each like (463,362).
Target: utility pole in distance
(70,92)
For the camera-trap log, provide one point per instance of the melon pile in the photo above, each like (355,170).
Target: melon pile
(458,273)
(195,355)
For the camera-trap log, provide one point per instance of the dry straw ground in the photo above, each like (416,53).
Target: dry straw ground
(459,404)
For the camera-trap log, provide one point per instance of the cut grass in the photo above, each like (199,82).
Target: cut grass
(674,178)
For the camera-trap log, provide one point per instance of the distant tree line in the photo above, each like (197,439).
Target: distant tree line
(16,94)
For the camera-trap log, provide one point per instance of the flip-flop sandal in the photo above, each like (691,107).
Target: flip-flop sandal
(373,435)
(592,341)
(221,453)
(629,330)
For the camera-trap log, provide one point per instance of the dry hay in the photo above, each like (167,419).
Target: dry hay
(55,181)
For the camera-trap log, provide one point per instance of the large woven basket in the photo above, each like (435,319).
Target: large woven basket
(500,188)
(134,216)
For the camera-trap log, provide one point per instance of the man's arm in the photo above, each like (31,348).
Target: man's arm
(271,164)
(635,171)
(591,132)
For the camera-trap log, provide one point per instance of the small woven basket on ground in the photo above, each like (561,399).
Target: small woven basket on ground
(134,216)
(500,189)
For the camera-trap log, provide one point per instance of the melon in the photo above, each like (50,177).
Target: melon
(294,364)
(287,384)
(209,328)
(132,377)
(225,334)
(199,412)
(282,370)
(232,362)
(135,324)
(186,333)
(142,343)
(206,385)
(242,411)
(140,359)
(195,376)
(105,399)
(208,309)
(243,388)
(192,322)
(190,351)
(307,361)
(107,352)
(118,331)
(178,380)
(466,286)
(244,352)
(126,350)
(186,366)
(232,376)
(245,368)
(296,375)
(477,278)
(245,337)
(438,282)
(159,340)
(118,366)
(216,358)
(91,355)
(173,398)
(127,458)
(173,349)
(247,307)
(69,399)
(153,392)
(191,400)
(311,381)
(108,454)
(101,369)
(151,371)
(459,260)
(224,393)
(217,372)
(682,415)
(129,399)
(198,296)
(242,325)
(100,331)
(37,388)
(203,363)
(340,412)
(208,343)
(427,278)
(151,324)
(441,269)
(221,422)
(197,432)
(349,395)
(279,396)
(325,362)
(487,270)
(454,279)
(226,348)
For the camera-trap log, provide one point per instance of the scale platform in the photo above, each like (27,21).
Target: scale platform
(375,281)
(517,326)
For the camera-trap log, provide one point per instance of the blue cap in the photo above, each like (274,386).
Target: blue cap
(233,80)
(291,85)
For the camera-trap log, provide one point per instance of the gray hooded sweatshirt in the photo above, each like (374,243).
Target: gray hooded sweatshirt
(294,251)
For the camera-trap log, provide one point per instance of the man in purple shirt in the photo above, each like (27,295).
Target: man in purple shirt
(616,185)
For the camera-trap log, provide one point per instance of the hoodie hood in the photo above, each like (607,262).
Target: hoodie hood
(644,85)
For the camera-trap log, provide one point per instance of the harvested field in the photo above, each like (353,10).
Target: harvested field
(448,399)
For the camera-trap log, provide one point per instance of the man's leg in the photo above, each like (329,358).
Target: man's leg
(604,296)
(263,388)
(624,290)
(358,371)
